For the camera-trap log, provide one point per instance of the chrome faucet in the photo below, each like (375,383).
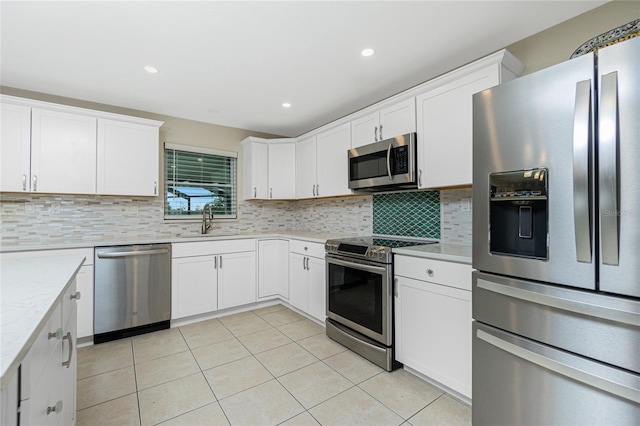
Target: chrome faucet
(207,216)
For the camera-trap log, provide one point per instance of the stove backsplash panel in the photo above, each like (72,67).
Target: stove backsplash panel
(408,214)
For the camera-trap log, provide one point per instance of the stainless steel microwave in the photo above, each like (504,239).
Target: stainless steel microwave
(384,166)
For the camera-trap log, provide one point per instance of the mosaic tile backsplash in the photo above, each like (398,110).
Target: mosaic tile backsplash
(409,214)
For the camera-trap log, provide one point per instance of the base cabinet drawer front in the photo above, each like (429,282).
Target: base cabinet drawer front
(307,248)
(436,271)
(194,286)
(204,248)
(433,332)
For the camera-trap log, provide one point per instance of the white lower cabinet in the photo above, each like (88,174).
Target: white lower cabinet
(48,372)
(433,320)
(273,269)
(211,275)
(307,278)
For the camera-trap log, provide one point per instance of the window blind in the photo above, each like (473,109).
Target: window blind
(198,176)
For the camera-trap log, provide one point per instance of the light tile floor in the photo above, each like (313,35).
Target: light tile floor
(269,366)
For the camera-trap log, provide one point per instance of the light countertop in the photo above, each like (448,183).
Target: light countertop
(311,236)
(448,252)
(30,290)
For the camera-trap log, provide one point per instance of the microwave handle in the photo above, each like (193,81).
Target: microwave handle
(389,160)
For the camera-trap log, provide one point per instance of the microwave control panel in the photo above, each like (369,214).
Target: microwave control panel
(401,159)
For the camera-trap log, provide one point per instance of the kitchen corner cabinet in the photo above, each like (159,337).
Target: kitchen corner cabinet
(57,149)
(388,122)
(307,286)
(321,161)
(211,275)
(269,168)
(273,269)
(445,119)
(127,158)
(433,320)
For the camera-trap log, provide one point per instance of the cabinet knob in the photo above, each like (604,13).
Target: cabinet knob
(56,334)
(75,296)
(430,272)
(55,408)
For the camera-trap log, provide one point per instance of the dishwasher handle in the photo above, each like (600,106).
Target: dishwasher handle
(118,254)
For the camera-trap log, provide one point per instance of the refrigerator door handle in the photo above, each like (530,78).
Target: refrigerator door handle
(609,186)
(581,166)
(561,368)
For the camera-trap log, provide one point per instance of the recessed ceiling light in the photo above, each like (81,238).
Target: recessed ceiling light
(286,105)
(367,52)
(151,70)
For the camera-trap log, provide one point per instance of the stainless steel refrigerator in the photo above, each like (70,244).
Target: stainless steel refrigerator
(556,244)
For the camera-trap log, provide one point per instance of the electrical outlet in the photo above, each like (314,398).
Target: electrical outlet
(466,204)
(29,208)
(131,208)
(55,207)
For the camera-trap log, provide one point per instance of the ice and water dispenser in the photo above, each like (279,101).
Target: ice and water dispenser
(519,213)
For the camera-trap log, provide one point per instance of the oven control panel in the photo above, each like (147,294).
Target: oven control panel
(379,254)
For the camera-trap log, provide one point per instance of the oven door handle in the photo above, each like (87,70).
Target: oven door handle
(365,266)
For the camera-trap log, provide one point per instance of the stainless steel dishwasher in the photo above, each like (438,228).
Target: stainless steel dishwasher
(132,290)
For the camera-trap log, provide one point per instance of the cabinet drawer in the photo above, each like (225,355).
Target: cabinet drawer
(436,271)
(307,248)
(205,248)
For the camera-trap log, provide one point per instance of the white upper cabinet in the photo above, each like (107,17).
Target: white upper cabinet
(445,119)
(306,175)
(127,158)
(282,169)
(321,161)
(63,152)
(393,120)
(332,163)
(269,168)
(15,148)
(51,148)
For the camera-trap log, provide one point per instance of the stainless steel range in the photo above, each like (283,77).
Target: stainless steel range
(360,295)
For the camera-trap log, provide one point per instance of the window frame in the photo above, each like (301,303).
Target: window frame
(168,181)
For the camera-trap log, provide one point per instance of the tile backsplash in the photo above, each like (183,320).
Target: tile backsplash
(50,219)
(409,214)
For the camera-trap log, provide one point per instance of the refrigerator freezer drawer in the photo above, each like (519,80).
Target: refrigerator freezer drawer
(520,382)
(600,327)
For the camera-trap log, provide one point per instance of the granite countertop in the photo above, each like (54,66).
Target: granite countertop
(449,252)
(311,236)
(30,290)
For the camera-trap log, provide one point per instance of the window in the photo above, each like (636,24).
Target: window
(197,176)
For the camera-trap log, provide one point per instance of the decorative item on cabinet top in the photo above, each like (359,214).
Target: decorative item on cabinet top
(109,154)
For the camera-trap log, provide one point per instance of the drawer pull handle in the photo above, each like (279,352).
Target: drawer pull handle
(55,409)
(430,272)
(55,335)
(75,296)
(68,337)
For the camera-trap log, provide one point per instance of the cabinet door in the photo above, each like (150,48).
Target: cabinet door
(298,281)
(317,293)
(398,119)
(15,148)
(365,130)
(445,128)
(273,268)
(127,158)
(236,279)
(306,168)
(333,164)
(63,152)
(433,331)
(84,281)
(194,286)
(282,170)
(255,170)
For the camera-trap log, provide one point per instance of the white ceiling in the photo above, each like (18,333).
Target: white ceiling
(235,63)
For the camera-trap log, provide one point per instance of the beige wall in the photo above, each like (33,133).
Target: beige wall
(556,44)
